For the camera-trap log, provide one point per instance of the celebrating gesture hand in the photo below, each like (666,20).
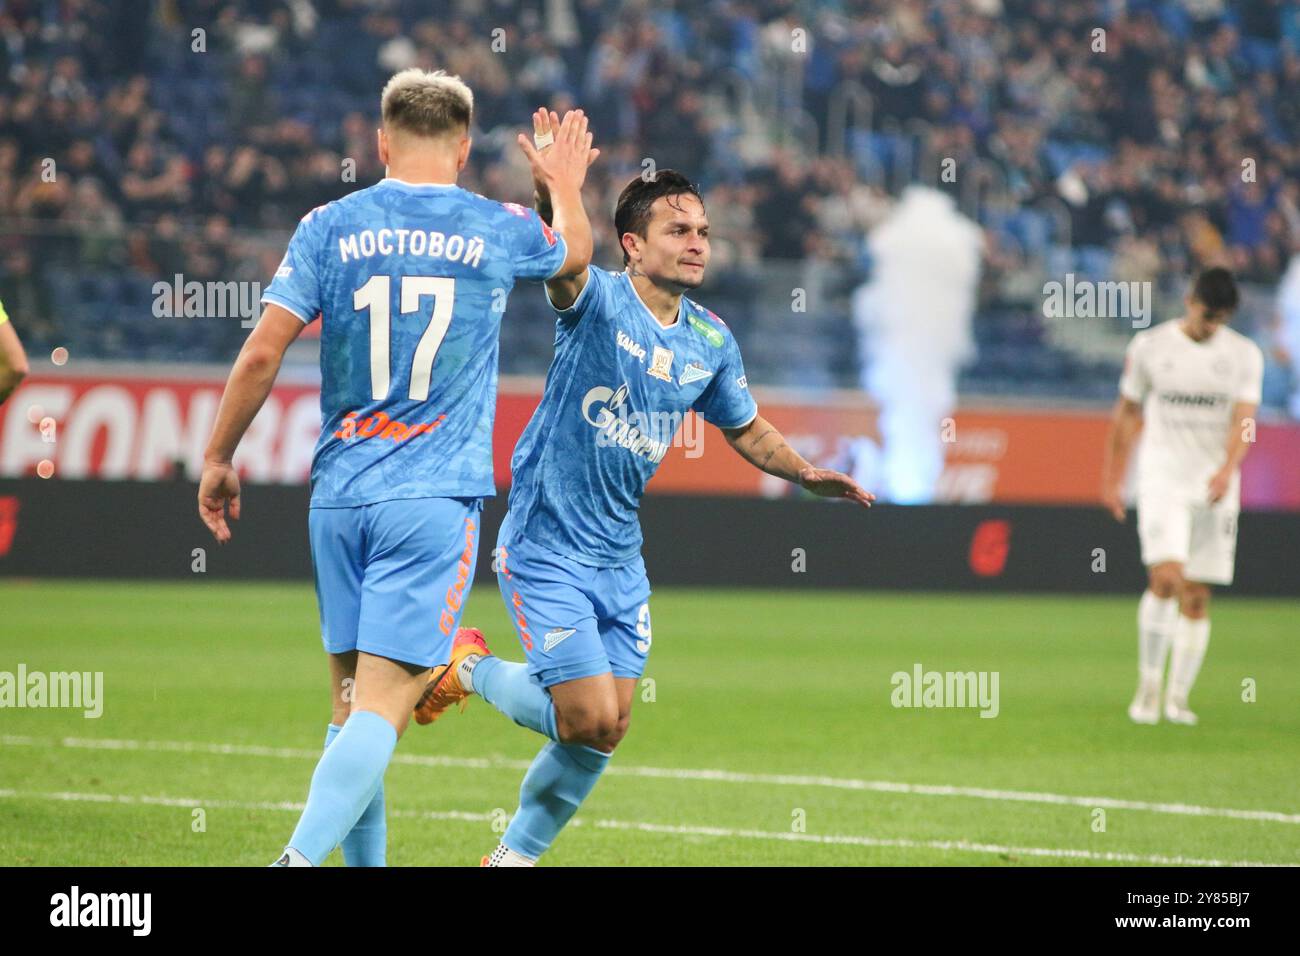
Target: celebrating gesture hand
(563,159)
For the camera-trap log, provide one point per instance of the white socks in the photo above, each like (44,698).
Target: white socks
(504,856)
(1156,626)
(1162,631)
(1191,637)
(465,671)
(291,857)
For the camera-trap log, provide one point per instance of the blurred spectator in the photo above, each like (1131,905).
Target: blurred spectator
(796,118)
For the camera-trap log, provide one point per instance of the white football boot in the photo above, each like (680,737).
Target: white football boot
(1176,711)
(1145,708)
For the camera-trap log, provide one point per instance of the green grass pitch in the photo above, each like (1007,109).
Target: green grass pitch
(770,738)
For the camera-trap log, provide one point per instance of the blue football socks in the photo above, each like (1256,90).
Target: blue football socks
(367,842)
(347,777)
(558,781)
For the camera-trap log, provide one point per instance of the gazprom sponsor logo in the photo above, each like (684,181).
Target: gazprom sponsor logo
(605,409)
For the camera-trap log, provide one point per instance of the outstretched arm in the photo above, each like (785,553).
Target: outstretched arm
(246,390)
(760,444)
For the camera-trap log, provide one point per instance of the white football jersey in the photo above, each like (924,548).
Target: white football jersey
(1187,390)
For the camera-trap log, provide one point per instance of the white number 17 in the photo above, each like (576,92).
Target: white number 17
(375,296)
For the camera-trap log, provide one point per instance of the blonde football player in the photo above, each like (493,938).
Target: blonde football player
(1190,387)
(13,360)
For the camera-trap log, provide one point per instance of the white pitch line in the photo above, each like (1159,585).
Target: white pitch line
(717,776)
(721,833)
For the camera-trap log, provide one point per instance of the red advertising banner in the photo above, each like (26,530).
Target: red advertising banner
(154,428)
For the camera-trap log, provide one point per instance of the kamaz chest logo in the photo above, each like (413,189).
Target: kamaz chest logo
(630,345)
(605,409)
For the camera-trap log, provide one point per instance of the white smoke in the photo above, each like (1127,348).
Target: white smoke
(1288,331)
(914,334)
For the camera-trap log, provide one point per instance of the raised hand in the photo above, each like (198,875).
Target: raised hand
(564,161)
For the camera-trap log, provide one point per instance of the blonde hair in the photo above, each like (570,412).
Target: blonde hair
(426,104)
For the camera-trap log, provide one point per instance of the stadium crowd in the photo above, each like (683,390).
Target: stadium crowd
(144,138)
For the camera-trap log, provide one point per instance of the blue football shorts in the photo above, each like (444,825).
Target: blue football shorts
(573,621)
(392,577)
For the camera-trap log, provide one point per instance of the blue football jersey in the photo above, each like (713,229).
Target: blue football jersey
(410,282)
(615,396)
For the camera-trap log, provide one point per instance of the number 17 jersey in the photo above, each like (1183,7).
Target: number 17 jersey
(410,282)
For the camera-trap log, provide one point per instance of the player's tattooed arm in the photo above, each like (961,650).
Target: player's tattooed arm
(1240,437)
(249,384)
(760,444)
(1125,424)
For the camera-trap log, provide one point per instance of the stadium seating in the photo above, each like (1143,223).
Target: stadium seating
(299,98)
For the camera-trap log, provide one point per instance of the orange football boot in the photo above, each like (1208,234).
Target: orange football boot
(444,687)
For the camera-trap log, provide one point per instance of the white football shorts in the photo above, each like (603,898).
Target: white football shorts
(1200,536)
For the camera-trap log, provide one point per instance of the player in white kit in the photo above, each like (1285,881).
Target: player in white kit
(1191,387)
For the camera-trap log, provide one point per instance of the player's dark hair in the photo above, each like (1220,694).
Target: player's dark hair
(632,213)
(1216,289)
